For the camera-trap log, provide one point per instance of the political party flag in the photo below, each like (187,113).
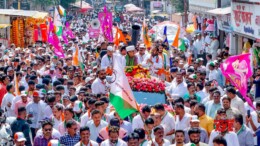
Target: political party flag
(69,31)
(175,42)
(64,37)
(57,23)
(62,11)
(16,82)
(181,44)
(119,37)
(145,35)
(121,95)
(165,34)
(106,19)
(237,70)
(77,61)
(58,51)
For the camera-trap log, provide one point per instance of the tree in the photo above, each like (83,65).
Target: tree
(66,3)
(43,4)
(179,5)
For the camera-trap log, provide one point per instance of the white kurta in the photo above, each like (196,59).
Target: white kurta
(108,143)
(169,122)
(183,123)
(177,90)
(8,98)
(106,62)
(98,87)
(142,59)
(213,75)
(231,138)
(137,122)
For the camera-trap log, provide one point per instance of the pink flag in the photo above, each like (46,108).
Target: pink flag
(64,36)
(57,46)
(50,34)
(68,30)
(105,19)
(237,69)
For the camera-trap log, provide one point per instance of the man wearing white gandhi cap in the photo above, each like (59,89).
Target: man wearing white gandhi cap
(107,60)
(131,59)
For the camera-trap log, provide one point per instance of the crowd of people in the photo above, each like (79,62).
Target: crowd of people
(46,100)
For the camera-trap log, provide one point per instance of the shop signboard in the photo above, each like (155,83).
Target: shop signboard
(119,8)
(204,3)
(245,19)
(224,22)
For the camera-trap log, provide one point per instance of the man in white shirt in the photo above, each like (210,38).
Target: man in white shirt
(178,87)
(159,137)
(84,137)
(137,121)
(7,101)
(236,102)
(142,56)
(182,119)
(114,140)
(167,120)
(198,46)
(213,73)
(214,46)
(96,124)
(107,60)
(100,86)
(155,61)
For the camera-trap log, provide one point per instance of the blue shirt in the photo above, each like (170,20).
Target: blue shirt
(258,135)
(67,140)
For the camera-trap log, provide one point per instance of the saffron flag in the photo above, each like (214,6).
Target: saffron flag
(175,42)
(62,11)
(16,82)
(145,35)
(57,23)
(237,69)
(119,37)
(106,20)
(121,95)
(77,61)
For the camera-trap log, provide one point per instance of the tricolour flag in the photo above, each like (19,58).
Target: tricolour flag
(76,60)
(121,95)
(237,70)
(16,82)
(181,44)
(145,35)
(57,23)
(62,11)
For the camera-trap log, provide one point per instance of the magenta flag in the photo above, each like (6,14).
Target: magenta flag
(68,30)
(57,47)
(50,36)
(106,21)
(64,37)
(237,70)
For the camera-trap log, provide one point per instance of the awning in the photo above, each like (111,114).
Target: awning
(4,25)
(220,11)
(84,5)
(26,13)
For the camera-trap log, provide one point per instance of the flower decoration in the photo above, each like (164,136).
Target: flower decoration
(146,85)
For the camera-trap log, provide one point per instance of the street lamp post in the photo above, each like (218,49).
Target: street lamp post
(19,5)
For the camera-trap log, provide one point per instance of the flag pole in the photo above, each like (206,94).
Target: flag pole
(145,127)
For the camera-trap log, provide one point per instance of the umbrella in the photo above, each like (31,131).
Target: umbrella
(133,9)
(172,29)
(129,5)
